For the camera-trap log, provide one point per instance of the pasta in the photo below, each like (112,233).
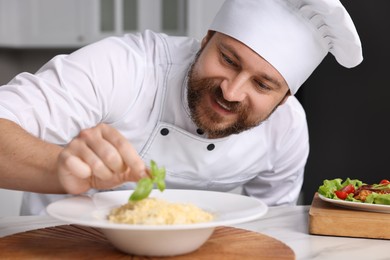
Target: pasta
(153,211)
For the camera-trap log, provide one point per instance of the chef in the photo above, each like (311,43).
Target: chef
(217,114)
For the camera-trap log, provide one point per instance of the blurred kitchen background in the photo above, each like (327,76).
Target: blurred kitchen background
(346,108)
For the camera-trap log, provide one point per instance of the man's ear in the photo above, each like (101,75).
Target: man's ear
(207,38)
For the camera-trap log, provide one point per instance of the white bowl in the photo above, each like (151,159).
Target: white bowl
(158,240)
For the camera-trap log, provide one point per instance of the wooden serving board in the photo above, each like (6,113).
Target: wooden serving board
(78,242)
(328,219)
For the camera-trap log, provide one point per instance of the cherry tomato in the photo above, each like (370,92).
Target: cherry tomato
(384,181)
(348,189)
(341,194)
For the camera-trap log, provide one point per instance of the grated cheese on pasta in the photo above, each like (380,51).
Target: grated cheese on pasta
(153,211)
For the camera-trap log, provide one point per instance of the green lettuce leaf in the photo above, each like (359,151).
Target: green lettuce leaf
(330,186)
(376,198)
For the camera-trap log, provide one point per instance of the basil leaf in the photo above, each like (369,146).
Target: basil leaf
(143,189)
(145,185)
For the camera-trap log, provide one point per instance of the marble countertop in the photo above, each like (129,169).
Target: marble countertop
(287,224)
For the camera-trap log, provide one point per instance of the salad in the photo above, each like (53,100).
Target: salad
(356,190)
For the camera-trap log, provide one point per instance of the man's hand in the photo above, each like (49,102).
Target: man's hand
(101,158)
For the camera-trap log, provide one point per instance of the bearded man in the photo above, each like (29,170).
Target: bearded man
(217,114)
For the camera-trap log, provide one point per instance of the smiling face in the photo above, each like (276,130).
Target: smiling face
(231,88)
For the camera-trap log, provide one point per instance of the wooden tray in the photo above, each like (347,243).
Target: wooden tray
(78,242)
(328,219)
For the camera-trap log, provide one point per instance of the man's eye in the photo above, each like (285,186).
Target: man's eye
(228,60)
(262,86)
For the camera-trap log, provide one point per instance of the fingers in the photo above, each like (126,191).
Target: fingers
(129,156)
(73,164)
(98,151)
(102,155)
(73,173)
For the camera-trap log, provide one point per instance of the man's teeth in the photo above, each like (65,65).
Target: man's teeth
(223,105)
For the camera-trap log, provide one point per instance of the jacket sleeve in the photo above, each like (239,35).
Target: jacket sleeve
(76,91)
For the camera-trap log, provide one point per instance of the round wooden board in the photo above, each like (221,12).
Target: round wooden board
(79,242)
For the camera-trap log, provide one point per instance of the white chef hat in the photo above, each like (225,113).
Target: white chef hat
(294,36)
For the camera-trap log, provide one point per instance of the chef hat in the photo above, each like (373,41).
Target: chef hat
(294,36)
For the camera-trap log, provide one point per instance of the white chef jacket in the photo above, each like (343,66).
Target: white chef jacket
(137,84)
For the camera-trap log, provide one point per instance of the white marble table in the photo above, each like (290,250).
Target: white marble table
(287,224)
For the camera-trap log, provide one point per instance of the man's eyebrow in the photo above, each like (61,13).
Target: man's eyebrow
(230,49)
(276,82)
(262,74)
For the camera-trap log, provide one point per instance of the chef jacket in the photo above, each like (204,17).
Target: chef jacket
(137,84)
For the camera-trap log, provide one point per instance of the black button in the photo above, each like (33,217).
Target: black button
(210,147)
(164,131)
(199,131)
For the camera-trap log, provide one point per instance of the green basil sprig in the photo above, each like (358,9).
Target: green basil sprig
(145,185)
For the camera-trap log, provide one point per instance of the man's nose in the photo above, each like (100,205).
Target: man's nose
(235,89)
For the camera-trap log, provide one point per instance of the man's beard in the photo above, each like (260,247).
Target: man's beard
(209,121)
